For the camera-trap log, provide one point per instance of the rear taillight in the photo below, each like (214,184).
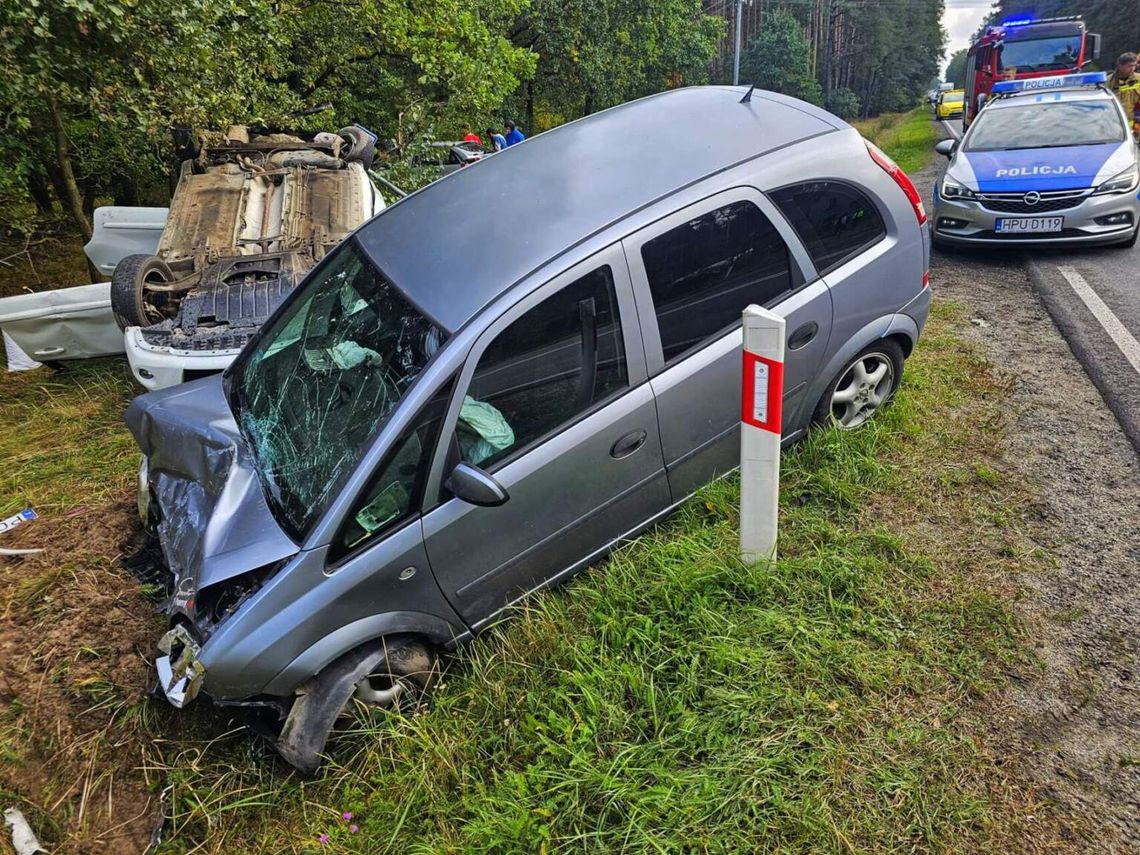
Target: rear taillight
(892,169)
(926,279)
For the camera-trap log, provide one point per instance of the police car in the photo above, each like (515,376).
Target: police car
(1049,160)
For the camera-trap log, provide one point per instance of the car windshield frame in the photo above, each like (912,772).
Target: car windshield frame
(338,358)
(1045,114)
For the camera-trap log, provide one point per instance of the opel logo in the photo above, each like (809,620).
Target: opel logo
(1031,198)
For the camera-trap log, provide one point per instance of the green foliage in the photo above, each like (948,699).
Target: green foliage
(908,137)
(593,54)
(779,58)
(843,102)
(956,70)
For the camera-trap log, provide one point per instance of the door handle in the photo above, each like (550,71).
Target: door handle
(49,351)
(802,335)
(628,444)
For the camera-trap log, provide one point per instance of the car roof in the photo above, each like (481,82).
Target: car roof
(457,244)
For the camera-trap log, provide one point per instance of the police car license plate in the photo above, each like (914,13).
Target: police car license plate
(1030,224)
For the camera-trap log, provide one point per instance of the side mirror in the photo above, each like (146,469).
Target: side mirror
(946,147)
(1094,44)
(472,484)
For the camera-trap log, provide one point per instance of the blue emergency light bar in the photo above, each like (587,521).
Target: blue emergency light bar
(1042,84)
(1017,22)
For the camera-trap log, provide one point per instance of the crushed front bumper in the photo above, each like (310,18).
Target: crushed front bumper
(180,674)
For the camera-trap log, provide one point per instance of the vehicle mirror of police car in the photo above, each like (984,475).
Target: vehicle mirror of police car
(946,147)
(1057,81)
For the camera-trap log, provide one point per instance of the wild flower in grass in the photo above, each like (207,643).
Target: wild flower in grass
(347,816)
(323,840)
(353,828)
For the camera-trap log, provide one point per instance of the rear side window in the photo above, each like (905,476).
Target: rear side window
(704,273)
(835,221)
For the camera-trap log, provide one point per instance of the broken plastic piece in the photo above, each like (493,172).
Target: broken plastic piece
(17,359)
(26,515)
(24,840)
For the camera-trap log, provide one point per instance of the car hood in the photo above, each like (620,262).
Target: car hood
(1042,169)
(215,523)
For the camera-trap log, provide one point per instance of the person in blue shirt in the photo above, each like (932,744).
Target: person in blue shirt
(514,135)
(498,141)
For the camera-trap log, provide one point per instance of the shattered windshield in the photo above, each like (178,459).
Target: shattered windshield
(322,379)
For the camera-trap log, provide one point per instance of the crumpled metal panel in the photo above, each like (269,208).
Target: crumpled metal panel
(215,524)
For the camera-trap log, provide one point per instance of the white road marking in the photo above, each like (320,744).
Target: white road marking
(954,132)
(1127,343)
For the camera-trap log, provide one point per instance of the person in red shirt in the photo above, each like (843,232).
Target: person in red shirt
(470,136)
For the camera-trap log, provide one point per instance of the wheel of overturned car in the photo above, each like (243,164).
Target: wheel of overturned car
(403,679)
(863,387)
(128,289)
(360,147)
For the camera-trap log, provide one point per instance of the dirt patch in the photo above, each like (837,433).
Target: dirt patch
(1069,727)
(73,677)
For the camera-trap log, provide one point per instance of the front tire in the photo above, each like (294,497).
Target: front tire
(863,387)
(128,289)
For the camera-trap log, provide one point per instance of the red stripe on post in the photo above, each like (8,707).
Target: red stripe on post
(763,410)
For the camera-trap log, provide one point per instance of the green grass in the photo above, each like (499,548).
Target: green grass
(907,137)
(675,700)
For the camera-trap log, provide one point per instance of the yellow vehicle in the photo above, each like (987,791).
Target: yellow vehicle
(950,104)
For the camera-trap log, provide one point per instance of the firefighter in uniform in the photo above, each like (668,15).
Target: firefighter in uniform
(1124,83)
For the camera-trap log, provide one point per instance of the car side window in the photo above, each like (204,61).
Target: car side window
(394,493)
(835,221)
(704,273)
(547,367)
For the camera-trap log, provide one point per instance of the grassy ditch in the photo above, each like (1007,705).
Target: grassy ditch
(674,700)
(907,137)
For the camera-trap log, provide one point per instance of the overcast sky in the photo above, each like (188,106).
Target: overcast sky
(961,19)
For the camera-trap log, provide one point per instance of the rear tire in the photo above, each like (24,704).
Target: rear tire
(864,386)
(361,149)
(128,298)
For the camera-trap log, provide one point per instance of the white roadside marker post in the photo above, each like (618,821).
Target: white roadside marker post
(763,394)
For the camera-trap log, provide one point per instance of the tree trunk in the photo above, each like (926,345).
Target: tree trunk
(73,201)
(530,107)
(40,193)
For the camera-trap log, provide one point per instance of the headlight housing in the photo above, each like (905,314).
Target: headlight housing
(1125,182)
(953,190)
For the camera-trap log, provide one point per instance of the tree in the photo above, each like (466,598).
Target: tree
(93,87)
(956,70)
(779,59)
(593,54)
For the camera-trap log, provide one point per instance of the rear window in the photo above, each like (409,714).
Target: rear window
(1048,125)
(835,221)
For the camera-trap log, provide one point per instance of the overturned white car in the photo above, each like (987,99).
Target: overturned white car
(250,216)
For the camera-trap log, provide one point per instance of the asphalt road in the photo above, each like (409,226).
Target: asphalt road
(1093,296)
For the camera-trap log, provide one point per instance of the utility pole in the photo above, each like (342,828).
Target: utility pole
(736,53)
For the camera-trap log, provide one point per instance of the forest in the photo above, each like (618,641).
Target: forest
(95,90)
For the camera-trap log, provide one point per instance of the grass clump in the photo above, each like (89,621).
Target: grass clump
(676,700)
(908,137)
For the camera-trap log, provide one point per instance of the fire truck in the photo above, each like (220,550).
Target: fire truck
(1032,48)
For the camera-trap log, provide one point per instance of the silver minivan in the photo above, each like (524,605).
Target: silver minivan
(427,430)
